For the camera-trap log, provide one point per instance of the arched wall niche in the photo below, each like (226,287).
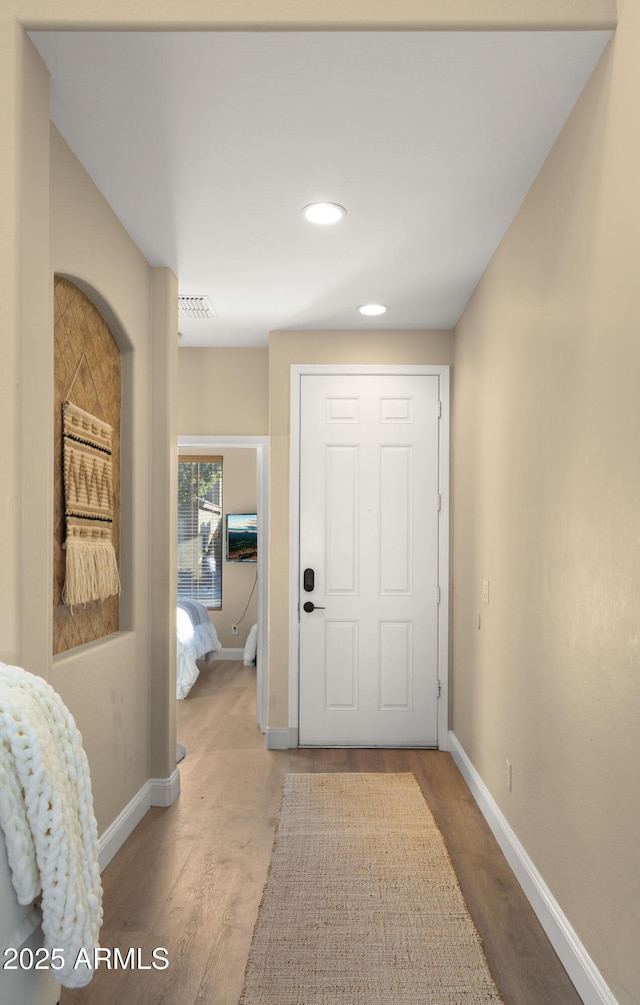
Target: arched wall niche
(88,370)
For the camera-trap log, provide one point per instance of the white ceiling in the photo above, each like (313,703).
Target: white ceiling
(208,145)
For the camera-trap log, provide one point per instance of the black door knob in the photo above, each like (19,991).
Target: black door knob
(309,606)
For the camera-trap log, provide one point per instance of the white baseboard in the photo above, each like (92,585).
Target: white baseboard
(125,823)
(165,791)
(154,792)
(282,739)
(230,654)
(587,979)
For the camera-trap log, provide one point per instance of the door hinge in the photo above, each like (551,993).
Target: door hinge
(439,502)
(439,409)
(438,689)
(437,594)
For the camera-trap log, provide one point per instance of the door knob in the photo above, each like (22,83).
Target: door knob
(309,606)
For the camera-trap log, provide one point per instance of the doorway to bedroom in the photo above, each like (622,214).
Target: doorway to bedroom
(232,515)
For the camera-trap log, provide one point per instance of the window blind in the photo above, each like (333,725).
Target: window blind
(200,530)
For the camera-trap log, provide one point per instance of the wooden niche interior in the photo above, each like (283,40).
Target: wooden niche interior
(87,370)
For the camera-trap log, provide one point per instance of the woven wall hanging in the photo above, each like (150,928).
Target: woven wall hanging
(91,563)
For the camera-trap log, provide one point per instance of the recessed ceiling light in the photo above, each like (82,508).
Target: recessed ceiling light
(324,212)
(372,310)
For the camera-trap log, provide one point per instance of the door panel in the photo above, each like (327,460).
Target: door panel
(396,520)
(342,517)
(396,662)
(369,530)
(340,665)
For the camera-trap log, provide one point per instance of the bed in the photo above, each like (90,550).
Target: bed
(196,640)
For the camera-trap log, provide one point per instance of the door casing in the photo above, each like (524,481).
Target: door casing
(298,370)
(261,445)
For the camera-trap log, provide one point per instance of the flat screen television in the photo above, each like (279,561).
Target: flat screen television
(242,537)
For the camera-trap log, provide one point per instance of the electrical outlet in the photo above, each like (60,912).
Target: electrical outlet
(234,630)
(508,777)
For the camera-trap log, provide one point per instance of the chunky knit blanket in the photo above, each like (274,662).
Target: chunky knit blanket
(46,813)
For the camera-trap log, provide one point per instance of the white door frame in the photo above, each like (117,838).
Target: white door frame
(261,445)
(298,370)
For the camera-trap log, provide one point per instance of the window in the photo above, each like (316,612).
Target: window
(200,530)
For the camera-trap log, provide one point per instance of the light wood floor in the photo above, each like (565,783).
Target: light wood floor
(190,877)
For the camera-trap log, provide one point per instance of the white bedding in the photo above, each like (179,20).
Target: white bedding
(194,642)
(250,647)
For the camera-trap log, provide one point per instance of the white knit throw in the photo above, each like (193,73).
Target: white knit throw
(46,813)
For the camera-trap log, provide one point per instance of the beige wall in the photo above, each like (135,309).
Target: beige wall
(67,227)
(108,685)
(26,368)
(547,507)
(223,392)
(54,219)
(286,348)
(239,495)
(545,475)
(161,516)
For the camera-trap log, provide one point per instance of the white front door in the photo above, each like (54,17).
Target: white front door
(369,592)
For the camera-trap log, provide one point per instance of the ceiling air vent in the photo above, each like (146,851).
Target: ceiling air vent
(196,308)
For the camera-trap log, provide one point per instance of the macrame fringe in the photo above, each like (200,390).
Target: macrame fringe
(91,573)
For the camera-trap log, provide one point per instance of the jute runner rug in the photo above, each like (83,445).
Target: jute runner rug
(361,905)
